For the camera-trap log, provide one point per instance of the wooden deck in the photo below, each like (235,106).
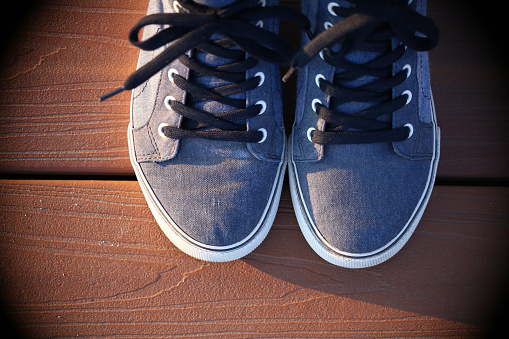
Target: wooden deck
(81,255)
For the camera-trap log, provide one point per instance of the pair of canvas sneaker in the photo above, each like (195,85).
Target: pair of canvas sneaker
(207,140)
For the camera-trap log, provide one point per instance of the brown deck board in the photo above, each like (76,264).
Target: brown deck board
(65,58)
(68,55)
(86,258)
(470,90)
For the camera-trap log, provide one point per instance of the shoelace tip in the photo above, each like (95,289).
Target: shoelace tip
(112,93)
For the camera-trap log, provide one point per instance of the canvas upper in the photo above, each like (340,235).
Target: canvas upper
(206,136)
(360,185)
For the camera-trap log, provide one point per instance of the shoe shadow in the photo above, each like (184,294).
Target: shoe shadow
(454,267)
(446,271)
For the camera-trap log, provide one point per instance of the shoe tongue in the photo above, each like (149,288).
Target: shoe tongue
(352,107)
(212,61)
(357,57)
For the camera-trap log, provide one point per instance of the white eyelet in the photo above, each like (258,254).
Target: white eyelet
(330,7)
(176,7)
(411,128)
(410,1)
(264,132)
(321,54)
(409,96)
(264,106)
(262,3)
(261,76)
(170,74)
(167,102)
(317,79)
(160,130)
(408,69)
(327,25)
(310,130)
(259,24)
(314,102)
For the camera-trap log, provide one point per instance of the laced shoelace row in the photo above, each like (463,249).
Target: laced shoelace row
(229,125)
(241,41)
(367,26)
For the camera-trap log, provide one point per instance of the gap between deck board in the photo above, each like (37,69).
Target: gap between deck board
(453,182)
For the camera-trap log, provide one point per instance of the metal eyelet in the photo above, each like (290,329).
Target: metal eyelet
(264,132)
(314,102)
(317,79)
(259,23)
(176,7)
(330,8)
(411,128)
(160,130)
(170,74)
(327,25)
(261,75)
(264,106)
(167,102)
(408,69)
(409,96)
(310,130)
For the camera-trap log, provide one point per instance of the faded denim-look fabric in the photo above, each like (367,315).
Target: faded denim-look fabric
(358,204)
(215,200)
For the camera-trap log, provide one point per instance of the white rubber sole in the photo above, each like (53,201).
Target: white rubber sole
(199,250)
(339,258)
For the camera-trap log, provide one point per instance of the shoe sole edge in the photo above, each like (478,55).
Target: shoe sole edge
(193,248)
(326,251)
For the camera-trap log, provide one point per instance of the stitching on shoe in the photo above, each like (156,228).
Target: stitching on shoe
(419,131)
(301,148)
(421,66)
(151,136)
(154,144)
(141,91)
(146,156)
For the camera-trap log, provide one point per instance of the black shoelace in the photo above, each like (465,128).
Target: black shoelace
(241,41)
(368,26)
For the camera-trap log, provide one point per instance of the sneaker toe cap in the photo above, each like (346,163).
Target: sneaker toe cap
(217,204)
(361,212)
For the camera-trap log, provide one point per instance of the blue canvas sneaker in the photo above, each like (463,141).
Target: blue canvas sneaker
(365,144)
(206,136)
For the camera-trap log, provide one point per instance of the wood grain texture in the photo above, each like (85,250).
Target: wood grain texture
(470,89)
(85,258)
(69,54)
(65,58)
